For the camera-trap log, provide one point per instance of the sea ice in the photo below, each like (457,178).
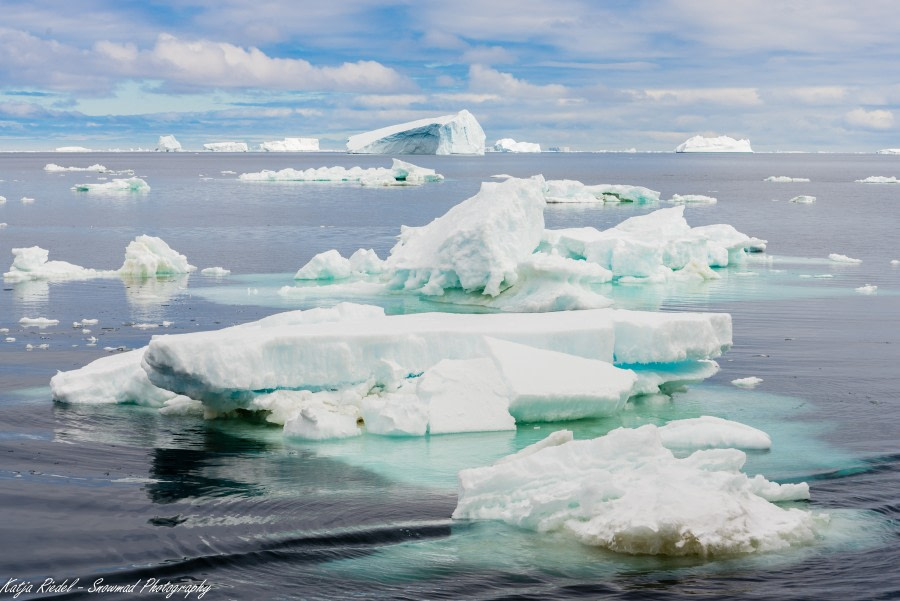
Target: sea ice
(510,145)
(132,184)
(889,151)
(450,134)
(803,199)
(784,179)
(839,258)
(895,262)
(750,382)
(400,173)
(226,147)
(330,265)
(53,167)
(877,179)
(717,144)
(168,144)
(290,145)
(573,191)
(26,200)
(628,493)
(692,199)
(709,432)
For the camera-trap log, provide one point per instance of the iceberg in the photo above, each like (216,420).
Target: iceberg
(889,151)
(400,173)
(867,289)
(708,432)
(226,147)
(877,179)
(510,145)
(628,493)
(784,179)
(40,322)
(168,144)
(450,134)
(32,264)
(148,256)
(573,191)
(215,271)
(131,184)
(291,145)
(717,144)
(53,167)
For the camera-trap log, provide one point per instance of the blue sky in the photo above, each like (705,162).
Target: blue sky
(789,75)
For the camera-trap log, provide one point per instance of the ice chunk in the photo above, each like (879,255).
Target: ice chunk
(215,271)
(450,134)
(750,382)
(32,264)
(889,151)
(839,258)
(40,322)
(708,432)
(148,256)
(626,492)
(573,191)
(26,200)
(73,149)
(510,145)
(784,179)
(226,146)
(321,421)
(168,144)
(329,265)
(477,245)
(53,167)
(804,199)
(131,184)
(401,173)
(895,262)
(877,179)
(716,144)
(553,440)
(290,145)
(692,199)
(867,289)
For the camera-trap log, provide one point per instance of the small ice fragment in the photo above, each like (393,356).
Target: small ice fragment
(215,271)
(10,339)
(895,262)
(4,330)
(804,199)
(751,382)
(867,289)
(839,258)
(145,326)
(166,324)
(27,200)
(41,322)
(90,322)
(692,199)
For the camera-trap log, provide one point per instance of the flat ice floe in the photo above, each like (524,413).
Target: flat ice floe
(410,374)
(451,134)
(628,493)
(400,173)
(53,167)
(716,144)
(573,191)
(749,382)
(878,179)
(131,184)
(784,179)
(692,199)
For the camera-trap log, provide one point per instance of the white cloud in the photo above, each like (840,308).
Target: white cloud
(389,100)
(812,95)
(723,96)
(877,119)
(486,80)
(488,55)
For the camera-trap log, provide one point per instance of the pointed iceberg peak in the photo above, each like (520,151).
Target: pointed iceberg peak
(451,134)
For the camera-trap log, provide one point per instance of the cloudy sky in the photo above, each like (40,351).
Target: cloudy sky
(612,74)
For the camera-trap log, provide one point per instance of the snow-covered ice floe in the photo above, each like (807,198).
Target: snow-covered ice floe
(226,147)
(40,322)
(492,250)
(510,145)
(131,184)
(400,173)
(878,179)
(291,145)
(889,151)
(168,144)
(341,371)
(145,256)
(681,199)
(784,179)
(717,144)
(451,134)
(573,191)
(53,167)
(749,382)
(627,492)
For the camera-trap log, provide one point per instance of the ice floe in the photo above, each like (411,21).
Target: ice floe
(708,432)
(692,199)
(400,173)
(749,382)
(573,191)
(215,271)
(40,322)
(784,179)
(226,147)
(839,258)
(131,184)
(510,145)
(878,179)
(889,151)
(291,145)
(627,492)
(168,144)
(53,167)
(451,134)
(803,199)
(867,289)
(32,264)
(714,144)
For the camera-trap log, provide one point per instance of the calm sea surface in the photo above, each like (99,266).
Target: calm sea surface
(125,494)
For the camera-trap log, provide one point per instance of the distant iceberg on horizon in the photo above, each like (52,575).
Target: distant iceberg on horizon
(510,145)
(889,151)
(291,145)
(226,147)
(73,149)
(168,144)
(451,134)
(718,144)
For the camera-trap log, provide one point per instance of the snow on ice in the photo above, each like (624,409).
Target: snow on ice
(226,146)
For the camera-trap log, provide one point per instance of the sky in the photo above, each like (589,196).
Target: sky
(789,75)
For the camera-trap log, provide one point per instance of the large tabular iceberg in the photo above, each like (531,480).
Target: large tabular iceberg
(510,145)
(400,173)
(168,144)
(628,493)
(718,144)
(226,146)
(291,145)
(450,134)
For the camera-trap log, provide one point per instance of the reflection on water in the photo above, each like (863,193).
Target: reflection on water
(146,295)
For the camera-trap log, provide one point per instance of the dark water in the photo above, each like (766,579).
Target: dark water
(125,494)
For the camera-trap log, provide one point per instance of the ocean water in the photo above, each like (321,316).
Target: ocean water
(124,494)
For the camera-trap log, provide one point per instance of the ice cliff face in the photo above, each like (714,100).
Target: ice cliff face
(451,134)
(719,144)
